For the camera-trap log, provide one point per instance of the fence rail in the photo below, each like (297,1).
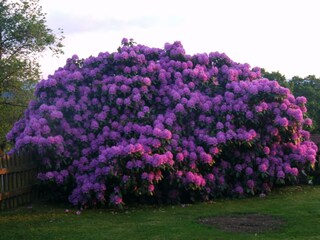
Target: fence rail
(17,179)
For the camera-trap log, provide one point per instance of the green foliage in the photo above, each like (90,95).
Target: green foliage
(281,79)
(310,88)
(24,35)
(12,107)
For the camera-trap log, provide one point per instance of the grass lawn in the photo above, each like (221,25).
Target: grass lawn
(297,206)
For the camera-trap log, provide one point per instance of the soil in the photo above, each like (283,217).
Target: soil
(249,223)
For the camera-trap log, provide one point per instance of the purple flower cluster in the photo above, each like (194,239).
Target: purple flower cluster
(146,121)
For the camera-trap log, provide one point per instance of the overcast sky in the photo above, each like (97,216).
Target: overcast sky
(278,35)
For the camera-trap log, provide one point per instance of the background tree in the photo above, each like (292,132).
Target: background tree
(280,78)
(310,88)
(24,35)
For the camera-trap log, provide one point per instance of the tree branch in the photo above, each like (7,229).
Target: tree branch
(13,104)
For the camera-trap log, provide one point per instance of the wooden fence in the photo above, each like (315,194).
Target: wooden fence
(17,180)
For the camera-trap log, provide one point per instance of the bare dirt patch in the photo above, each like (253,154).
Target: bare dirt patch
(248,223)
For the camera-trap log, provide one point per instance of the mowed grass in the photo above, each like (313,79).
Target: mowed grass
(298,206)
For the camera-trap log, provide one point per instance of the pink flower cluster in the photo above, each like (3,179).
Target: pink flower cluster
(146,121)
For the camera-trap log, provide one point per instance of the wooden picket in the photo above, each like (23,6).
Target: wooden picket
(17,180)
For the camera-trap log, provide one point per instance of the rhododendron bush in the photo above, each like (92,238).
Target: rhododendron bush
(150,123)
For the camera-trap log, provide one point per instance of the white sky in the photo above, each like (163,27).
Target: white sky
(278,35)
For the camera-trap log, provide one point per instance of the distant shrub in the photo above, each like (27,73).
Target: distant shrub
(149,123)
